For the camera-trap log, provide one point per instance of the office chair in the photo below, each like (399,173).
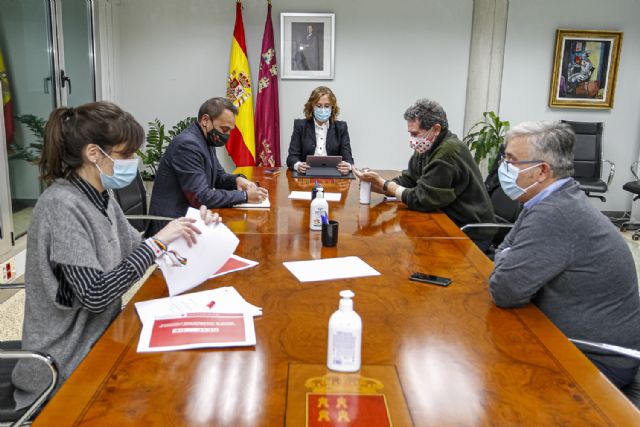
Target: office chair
(631,391)
(10,353)
(588,159)
(633,187)
(505,212)
(133,201)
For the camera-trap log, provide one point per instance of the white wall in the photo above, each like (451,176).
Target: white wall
(528,66)
(172,55)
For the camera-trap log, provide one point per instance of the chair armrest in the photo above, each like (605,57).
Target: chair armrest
(634,354)
(51,364)
(485,225)
(612,171)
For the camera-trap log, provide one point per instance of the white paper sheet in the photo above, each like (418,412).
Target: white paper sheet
(330,268)
(220,300)
(214,247)
(306,195)
(266,204)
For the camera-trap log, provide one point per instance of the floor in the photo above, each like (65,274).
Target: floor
(12,301)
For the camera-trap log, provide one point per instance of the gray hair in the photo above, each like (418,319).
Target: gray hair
(551,142)
(427,113)
(215,106)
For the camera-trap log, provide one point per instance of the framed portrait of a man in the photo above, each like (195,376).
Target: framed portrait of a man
(307,43)
(585,69)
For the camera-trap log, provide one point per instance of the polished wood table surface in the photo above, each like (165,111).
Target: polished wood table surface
(460,360)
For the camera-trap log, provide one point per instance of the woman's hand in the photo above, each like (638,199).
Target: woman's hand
(344,168)
(209,217)
(180,227)
(302,167)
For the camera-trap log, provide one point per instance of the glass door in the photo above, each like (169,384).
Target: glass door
(26,46)
(77,52)
(47,48)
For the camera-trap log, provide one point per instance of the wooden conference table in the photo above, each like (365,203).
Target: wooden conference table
(458,358)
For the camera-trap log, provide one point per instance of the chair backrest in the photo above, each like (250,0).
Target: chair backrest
(133,201)
(587,151)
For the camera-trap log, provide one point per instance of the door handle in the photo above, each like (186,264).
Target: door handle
(46,84)
(64,80)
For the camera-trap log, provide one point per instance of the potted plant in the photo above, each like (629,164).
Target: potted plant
(31,152)
(157,141)
(485,138)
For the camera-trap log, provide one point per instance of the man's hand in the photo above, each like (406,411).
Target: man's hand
(369,176)
(257,194)
(245,184)
(344,168)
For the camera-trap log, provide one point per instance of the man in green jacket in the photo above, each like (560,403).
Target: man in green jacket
(441,174)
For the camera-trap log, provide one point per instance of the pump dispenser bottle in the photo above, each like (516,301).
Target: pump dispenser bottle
(318,206)
(345,337)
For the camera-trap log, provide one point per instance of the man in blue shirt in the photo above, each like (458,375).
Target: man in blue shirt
(562,254)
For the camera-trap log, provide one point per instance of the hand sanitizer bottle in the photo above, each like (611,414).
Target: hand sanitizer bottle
(345,337)
(318,206)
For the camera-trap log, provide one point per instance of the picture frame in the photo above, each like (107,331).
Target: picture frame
(307,45)
(585,68)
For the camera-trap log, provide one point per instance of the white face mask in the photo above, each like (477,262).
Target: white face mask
(508,175)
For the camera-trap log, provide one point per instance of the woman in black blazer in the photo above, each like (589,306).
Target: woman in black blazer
(320,111)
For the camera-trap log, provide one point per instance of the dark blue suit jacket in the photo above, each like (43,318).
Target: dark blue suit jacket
(190,174)
(303,141)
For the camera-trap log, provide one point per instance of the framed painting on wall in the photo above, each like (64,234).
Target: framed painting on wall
(585,68)
(307,42)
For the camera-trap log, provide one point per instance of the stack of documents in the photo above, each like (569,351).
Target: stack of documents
(213,318)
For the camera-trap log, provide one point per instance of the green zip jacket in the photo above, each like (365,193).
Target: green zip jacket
(446,177)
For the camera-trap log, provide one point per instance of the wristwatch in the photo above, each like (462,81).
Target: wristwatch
(385,185)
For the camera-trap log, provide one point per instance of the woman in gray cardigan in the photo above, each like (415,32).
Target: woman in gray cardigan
(82,254)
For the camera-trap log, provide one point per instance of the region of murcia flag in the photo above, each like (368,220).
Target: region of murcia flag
(241,145)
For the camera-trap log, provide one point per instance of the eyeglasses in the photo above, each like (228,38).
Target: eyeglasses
(517,162)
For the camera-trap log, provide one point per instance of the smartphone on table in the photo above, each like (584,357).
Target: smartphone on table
(430,278)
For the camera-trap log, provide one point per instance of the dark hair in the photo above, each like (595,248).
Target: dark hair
(69,130)
(215,106)
(316,94)
(427,113)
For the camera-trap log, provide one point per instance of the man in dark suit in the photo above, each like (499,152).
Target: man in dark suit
(320,134)
(190,174)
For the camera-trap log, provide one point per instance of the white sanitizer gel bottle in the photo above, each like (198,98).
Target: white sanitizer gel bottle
(319,206)
(345,337)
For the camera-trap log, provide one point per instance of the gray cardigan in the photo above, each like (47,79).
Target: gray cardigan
(569,260)
(66,228)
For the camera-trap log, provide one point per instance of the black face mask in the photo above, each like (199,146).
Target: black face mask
(216,138)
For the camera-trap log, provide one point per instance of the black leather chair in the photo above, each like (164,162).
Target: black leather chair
(633,187)
(587,159)
(505,211)
(133,201)
(10,353)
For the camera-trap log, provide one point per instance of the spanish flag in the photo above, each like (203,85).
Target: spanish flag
(7,104)
(241,145)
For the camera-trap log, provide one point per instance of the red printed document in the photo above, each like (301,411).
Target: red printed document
(234,263)
(197,330)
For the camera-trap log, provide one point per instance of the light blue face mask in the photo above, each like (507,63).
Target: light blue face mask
(322,114)
(508,175)
(124,172)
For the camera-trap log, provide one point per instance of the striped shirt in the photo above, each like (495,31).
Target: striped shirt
(95,289)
